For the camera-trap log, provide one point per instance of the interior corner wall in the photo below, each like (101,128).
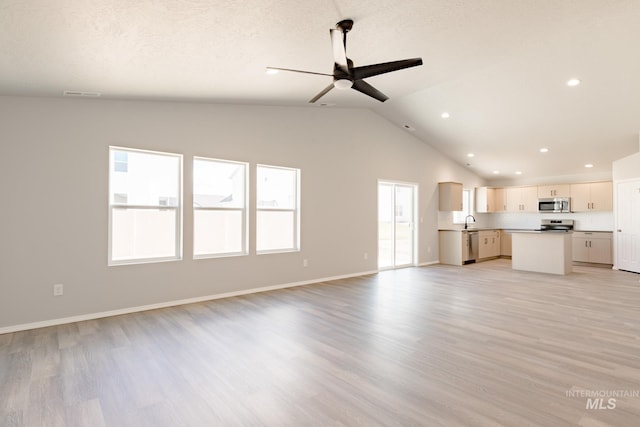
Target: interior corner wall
(54,186)
(627,167)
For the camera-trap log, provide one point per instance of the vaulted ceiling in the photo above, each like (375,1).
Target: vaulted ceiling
(498,67)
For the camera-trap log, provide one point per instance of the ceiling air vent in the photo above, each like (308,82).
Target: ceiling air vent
(81,94)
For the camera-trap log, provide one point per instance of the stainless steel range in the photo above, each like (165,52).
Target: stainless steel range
(561,225)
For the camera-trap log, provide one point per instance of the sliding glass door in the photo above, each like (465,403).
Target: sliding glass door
(396,225)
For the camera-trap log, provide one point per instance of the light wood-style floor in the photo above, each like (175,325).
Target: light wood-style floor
(479,345)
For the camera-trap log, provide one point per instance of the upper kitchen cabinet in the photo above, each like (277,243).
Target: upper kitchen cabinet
(490,200)
(521,199)
(592,197)
(485,199)
(548,191)
(500,200)
(450,196)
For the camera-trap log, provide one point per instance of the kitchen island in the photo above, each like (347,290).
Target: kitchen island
(542,251)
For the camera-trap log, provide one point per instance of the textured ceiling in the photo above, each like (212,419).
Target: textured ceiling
(499,67)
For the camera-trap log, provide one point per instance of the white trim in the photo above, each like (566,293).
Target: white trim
(424,264)
(129,310)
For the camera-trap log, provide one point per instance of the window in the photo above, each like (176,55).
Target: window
(278,212)
(144,206)
(467,207)
(219,208)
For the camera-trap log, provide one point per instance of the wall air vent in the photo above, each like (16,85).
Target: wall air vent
(77,93)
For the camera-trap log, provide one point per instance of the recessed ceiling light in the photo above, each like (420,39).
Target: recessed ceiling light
(573,82)
(588,165)
(445,115)
(470,155)
(496,172)
(544,150)
(518,172)
(271,71)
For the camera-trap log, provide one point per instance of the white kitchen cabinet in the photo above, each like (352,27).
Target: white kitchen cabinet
(489,242)
(449,196)
(485,199)
(522,199)
(500,201)
(592,197)
(549,191)
(592,246)
(453,246)
(505,243)
(490,200)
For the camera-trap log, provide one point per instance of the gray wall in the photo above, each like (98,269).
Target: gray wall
(54,184)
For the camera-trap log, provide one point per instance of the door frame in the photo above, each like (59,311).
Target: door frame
(415,186)
(616,221)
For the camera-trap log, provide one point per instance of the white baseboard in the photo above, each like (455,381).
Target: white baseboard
(129,310)
(423,264)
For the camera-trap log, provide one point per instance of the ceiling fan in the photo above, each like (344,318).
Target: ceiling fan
(345,75)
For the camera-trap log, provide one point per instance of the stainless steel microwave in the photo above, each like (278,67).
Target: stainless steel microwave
(555,204)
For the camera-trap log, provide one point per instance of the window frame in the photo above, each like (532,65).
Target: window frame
(245,211)
(125,206)
(295,210)
(460,216)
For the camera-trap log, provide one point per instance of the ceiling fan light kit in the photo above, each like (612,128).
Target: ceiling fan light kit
(345,75)
(343,84)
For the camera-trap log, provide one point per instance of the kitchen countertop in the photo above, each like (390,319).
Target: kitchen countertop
(543,231)
(469,229)
(526,230)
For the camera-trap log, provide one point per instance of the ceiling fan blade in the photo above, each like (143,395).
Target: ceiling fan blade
(386,67)
(339,49)
(321,94)
(299,71)
(367,89)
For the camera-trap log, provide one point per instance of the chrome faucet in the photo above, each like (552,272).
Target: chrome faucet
(465,221)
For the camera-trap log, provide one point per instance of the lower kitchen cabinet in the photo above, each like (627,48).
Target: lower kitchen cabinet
(489,241)
(592,246)
(505,243)
(454,247)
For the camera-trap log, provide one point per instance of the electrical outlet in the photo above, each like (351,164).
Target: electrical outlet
(366,256)
(58,289)
(305,263)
